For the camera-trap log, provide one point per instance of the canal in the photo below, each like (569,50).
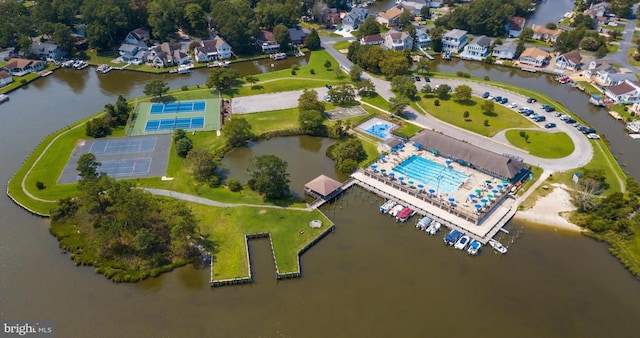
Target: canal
(371,277)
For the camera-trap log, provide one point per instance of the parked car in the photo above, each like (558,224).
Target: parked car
(427,79)
(513,105)
(539,118)
(417,78)
(485,95)
(497,98)
(544,106)
(531,100)
(504,100)
(564,117)
(327,98)
(328,85)
(570,121)
(594,136)
(550,125)
(549,109)
(588,131)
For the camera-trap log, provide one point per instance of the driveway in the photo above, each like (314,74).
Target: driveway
(268,102)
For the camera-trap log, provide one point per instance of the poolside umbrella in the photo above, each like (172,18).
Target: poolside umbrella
(479,192)
(484,201)
(431,191)
(417,145)
(401,178)
(420,186)
(448,162)
(373,166)
(487,181)
(383,156)
(451,199)
(410,182)
(383,170)
(400,146)
(472,196)
(494,191)
(500,186)
(392,174)
(504,182)
(435,151)
(478,206)
(490,196)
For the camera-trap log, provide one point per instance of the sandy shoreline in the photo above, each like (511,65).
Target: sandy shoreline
(547,210)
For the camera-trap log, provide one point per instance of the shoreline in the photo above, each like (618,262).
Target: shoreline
(547,210)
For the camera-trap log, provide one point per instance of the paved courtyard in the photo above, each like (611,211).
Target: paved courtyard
(268,102)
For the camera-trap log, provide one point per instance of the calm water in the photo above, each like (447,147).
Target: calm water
(550,11)
(371,277)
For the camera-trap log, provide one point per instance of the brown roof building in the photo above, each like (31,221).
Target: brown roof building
(322,187)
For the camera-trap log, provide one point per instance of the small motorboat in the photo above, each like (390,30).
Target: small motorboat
(404,214)
(3,98)
(452,237)
(387,206)
(461,244)
(423,223)
(394,212)
(498,247)
(474,248)
(434,228)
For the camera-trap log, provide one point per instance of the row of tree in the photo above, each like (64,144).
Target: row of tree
(115,115)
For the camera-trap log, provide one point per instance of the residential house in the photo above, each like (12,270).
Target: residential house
(395,40)
(409,8)
(477,49)
(353,19)
(137,35)
(454,40)
(571,60)
(635,109)
(212,50)
(165,54)
(600,8)
(47,50)
(21,67)
(267,42)
(422,39)
(373,40)
(5,78)
(416,4)
(436,3)
(331,17)
(133,53)
(505,51)
(534,56)
(545,34)
(515,26)
(613,77)
(626,92)
(391,17)
(297,35)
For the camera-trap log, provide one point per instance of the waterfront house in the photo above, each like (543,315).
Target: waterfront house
(391,17)
(635,109)
(21,67)
(47,50)
(543,33)
(5,78)
(135,54)
(165,54)
(137,35)
(436,3)
(515,26)
(534,56)
(604,74)
(212,50)
(373,40)
(395,40)
(422,39)
(505,51)
(600,9)
(626,92)
(477,49)
(297,35)
(416,4)
(353,19)
(570,61)
(454,40)
(267,42)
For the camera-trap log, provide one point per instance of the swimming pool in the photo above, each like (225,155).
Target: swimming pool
(431,174)
(379,129)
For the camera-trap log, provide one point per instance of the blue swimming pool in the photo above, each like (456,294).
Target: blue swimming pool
(379,129)
(432,175)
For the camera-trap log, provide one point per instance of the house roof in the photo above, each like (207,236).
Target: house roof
(127,47)
(534,53)
(43,47)
(541,30)
(573,56)
(19,63)
(372,38)
(517,23)
(392,13)
(509,45)
(264,36)
(621,89)
(392,142)
(4,74)
(323,185)
(455,34)
(482,41)
(500,165)
(395,35)
(297,34)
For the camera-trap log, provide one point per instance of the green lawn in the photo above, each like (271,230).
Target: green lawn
(377,101)
(542,143)
(407,130)
(630,58)
(19,81)
(273,120)
(452,112)
(344,44)
(588,87)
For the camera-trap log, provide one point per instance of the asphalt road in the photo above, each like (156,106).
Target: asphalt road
(620,57)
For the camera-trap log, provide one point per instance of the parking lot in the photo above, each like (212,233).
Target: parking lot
(268,102)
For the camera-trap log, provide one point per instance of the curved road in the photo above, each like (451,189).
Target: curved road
(620,57)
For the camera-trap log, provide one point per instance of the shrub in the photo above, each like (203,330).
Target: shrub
(462,74)
(522,133)
(327,64)
(486,78)
(486,123)
(234,185)
(184,88)
(466,114)
(436,102)
(183,146)
(40,185)
(312,71)
(293,72)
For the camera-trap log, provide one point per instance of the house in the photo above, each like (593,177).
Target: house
(212,50)
(626,92)
(353,19)
(331,17)
(635,109)
(133,53)
(600,8)
(391,17)
(545,34)
(373,40)
(5,78)
(613,77)
(454,40)
(505,51)
(422,39)
(436,3)
(477,49)
(297,35)
(21,67)
(267,42)
(395,40)
(515,26)
(47,50)
(534,56)
(571,60)
(137,35)
(165,54)
(416,4)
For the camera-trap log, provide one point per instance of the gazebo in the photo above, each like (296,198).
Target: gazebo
(322,187)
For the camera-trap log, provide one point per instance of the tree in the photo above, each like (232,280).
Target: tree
(551,25)
(311,122)
(393,63)
(62,37)
(442,92)
(251,79)
(487,107)
(342,95)
(197,18)
(183,146)
(403,85)
(87,167)
(368,27)
(423,65)
(222,78)
(519,49)
(268,176)
(161,18)
(281,34)
(97,128)
(436,38)
(425,12)
(179,134)
(238,132)
(602,51)
(527,33)
(397,104)
(462,93)
(236,22)
(327,64)
(313,40)
(466,115)
(308,100)
(426,89)
(347,154)
(355,73)
(366,87)
(405,18)
(203,166)
(156,88)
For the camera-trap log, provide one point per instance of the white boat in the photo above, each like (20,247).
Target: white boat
(80,65)
(278,56)
(634,127)
(498,247)
(68,64)
(461,244)
(4,98)
(394,212)
(103,69)
(184,69)
(386,207)
(434,228)
(474,248)
(423,223)
(596,100)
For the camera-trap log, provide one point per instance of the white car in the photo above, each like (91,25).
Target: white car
(594,136)
(513,105)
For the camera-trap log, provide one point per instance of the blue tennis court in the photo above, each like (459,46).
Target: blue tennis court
(178,107)
(177,123)
(123,146)
(133,167)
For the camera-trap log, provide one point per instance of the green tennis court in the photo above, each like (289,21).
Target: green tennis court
(163,118)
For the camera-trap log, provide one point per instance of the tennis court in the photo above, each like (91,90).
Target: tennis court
(123,146)
(186,123)
(345,113)
(178,107)
(121,168)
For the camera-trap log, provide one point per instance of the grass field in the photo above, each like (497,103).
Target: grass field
(542,143)
(589,88)
(452,112)
(273,120)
